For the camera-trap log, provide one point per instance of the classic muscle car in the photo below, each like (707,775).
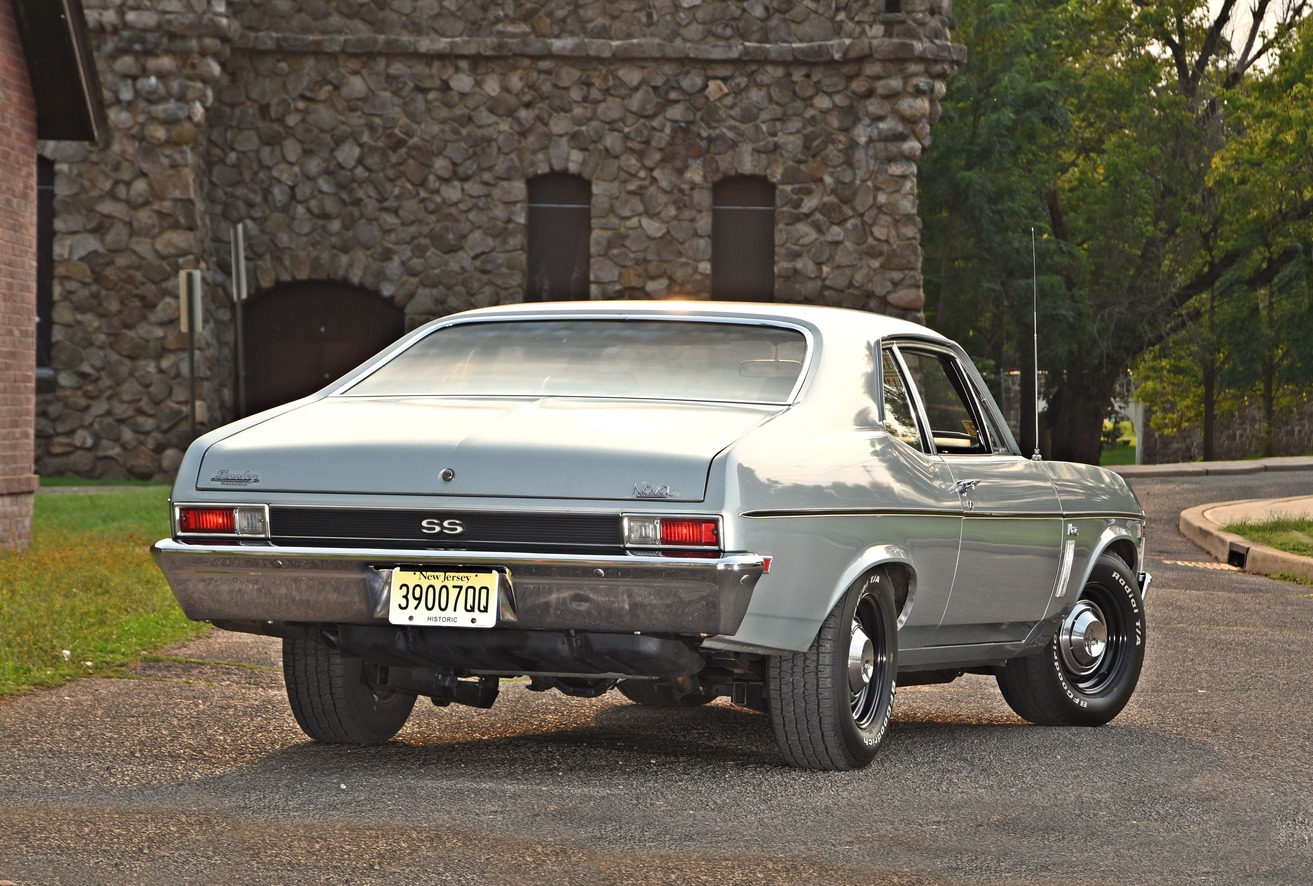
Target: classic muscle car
(792,507)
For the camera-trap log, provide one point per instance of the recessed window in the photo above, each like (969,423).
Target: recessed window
(743,239)
(560,208)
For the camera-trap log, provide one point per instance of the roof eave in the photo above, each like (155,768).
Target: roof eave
(62,69)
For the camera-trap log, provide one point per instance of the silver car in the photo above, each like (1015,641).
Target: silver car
(792,507)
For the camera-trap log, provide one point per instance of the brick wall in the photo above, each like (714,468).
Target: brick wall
(17,285)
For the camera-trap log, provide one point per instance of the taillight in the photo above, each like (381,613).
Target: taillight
(681,533)
(221,521)
(673,536)
(207,520)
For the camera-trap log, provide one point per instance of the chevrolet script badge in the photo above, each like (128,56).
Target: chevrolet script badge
(654,490)
(228,478)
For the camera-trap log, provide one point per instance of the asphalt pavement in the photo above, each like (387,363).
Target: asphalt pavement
(1205,524)
(193,770)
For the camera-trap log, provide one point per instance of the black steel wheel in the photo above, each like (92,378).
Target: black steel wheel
(663,693)
(830,706)
(336,698)
(1088,671)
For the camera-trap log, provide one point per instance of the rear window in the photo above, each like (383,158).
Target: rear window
(648,359)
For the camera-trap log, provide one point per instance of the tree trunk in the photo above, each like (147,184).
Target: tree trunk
(1029,400)
(1269,408)
(1076,413)
(1210,409)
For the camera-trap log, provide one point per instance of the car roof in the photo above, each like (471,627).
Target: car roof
(822,318)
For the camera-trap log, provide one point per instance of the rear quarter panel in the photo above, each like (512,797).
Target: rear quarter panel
(828,497)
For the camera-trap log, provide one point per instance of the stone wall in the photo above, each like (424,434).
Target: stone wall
(660,22)
(388,144)
(1239,436)
(130,213)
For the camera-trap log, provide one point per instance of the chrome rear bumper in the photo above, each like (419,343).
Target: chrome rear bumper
(544,592)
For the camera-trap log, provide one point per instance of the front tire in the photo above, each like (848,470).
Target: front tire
(1088,671)
(830,706)
(336,698)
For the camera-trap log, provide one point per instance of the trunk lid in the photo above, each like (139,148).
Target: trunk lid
(543,448)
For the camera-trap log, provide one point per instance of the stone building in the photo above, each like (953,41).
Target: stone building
(48,90)
(391,161)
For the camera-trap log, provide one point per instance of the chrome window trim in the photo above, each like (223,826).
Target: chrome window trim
(973,400)
(343,388)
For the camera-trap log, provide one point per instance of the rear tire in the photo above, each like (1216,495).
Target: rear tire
(1087,672)
(336,698)
(831,705)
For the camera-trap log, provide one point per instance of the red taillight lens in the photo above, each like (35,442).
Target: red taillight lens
(219,520)
(690,532)
(248,521)
(672,536)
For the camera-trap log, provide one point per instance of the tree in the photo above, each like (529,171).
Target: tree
(1260,243)
(979,202)
(1187,381)
(1116,175)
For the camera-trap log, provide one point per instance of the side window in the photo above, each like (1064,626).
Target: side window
(998,441)
(952,416)
(899,415)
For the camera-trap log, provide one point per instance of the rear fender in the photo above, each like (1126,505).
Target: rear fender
(876,558)
(795,631)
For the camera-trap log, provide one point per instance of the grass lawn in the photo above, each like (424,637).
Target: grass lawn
(86,598)
(1292,536)
(1122,452)
(1117,455)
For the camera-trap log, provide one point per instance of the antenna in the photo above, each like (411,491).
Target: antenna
(1034,328)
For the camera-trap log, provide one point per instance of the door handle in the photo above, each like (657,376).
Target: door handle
(962,487)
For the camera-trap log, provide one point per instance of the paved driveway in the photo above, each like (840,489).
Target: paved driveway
(196,772)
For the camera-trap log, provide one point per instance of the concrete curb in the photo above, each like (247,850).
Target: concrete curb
(1202,525)
(1217,468)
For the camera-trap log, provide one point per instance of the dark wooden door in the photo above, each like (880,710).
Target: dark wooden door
(559,218)
(743,239)
(301,336)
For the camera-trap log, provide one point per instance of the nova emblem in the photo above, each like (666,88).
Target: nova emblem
(650,490)
(434,526)
(228,478)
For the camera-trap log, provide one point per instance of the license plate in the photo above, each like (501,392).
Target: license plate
(441,598)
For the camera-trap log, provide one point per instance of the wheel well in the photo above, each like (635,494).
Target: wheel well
(1124,549)
(899,577)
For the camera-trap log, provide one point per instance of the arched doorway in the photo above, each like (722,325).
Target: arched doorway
(300,336)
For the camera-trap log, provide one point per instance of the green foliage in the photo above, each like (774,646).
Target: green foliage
(1253,326)
(1163,179)
(1000,122)
(86,598)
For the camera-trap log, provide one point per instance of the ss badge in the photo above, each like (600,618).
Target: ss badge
(434,526)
